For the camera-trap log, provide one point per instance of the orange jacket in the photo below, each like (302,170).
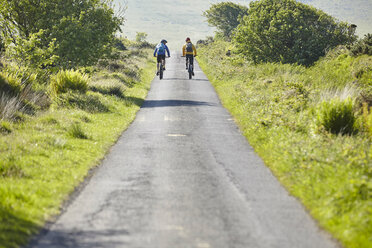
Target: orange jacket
(184,49)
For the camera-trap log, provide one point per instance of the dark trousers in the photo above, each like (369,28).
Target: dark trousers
(190,59)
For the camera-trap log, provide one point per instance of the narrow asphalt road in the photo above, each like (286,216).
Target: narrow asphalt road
(183,176)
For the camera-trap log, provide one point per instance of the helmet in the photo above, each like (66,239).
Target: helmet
(187,39)
(164,41)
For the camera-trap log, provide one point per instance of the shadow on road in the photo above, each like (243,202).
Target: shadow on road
(82,239)
(174,103)
(183,79)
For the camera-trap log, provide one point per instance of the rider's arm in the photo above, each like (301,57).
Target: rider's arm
(166,47)
(184,50)
(194,49)
(156,49)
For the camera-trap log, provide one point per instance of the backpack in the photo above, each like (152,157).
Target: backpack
(161,48)
(189,47)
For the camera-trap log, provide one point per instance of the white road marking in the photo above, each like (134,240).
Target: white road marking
(176,135)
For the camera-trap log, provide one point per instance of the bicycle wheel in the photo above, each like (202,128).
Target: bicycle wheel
(161,70)
(190,71)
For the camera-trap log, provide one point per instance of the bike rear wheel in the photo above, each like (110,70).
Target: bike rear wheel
(161,71)
(190,71)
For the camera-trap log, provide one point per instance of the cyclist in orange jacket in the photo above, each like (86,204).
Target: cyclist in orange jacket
(189,51)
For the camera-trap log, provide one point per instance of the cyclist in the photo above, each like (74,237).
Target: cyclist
(189,51)
(159,52)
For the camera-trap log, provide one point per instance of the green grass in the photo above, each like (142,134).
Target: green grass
(44,157)
(276,107)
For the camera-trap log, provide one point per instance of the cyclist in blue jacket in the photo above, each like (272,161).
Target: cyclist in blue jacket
(159,52)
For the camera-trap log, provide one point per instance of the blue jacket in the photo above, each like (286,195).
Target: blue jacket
(161,52)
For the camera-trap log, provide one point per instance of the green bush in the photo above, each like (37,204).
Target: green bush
(69,80)
(363,46)
(81,30)
(288,31)
(337,116)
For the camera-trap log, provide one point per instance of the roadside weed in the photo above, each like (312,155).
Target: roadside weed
(337,116)
(69,80)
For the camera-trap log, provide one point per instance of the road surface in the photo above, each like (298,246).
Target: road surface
(184,176)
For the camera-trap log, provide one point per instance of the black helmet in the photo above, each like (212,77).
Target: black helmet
(164,41)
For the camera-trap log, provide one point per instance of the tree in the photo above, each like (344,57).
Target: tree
(83,29)
(141,37)
(289,32)
(225,16)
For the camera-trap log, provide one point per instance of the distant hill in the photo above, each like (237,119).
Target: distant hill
(174,20)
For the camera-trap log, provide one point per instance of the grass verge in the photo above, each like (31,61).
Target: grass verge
(276,107)
(44,157)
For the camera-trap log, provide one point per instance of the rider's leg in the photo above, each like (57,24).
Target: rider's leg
(158,59)
(187,63)
(192,63)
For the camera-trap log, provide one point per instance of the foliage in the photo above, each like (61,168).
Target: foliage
(225,16)
(31,53)
(337,116)
(67,80)
(363,46)
(82,30)
(287,31)
(276,105)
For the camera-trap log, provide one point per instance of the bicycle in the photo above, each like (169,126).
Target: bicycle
(161,68)
(190,67)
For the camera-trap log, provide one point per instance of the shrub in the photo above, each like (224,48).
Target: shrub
(363,46)
(76,131)
(69,80)
(337,116)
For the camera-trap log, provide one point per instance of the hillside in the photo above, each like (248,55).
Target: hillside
(176,19)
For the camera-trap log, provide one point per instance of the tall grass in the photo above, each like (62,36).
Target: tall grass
(9,106)
(69,80)
(337,116)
